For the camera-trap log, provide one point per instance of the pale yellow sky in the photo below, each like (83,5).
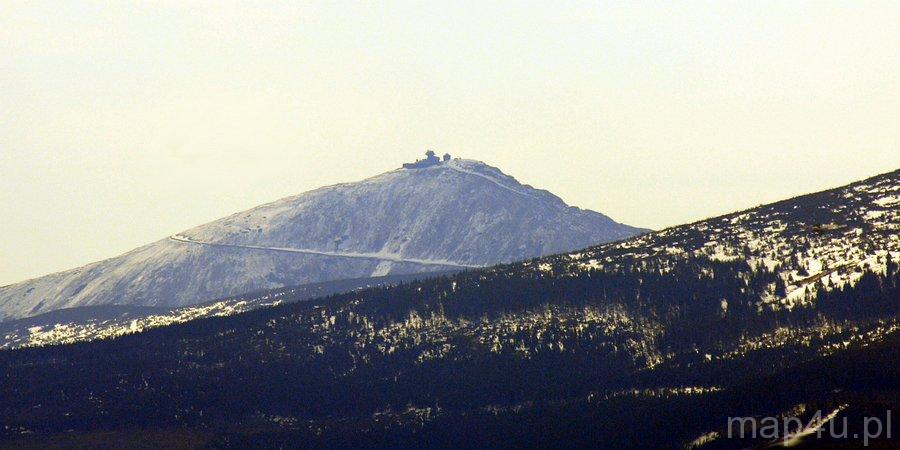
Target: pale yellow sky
(124,122)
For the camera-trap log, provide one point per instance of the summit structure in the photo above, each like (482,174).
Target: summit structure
(430,160)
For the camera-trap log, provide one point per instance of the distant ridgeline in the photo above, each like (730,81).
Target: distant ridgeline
(430,160)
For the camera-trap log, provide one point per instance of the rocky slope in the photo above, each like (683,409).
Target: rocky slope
(455,214)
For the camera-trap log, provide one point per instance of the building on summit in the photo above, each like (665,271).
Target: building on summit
(430,160)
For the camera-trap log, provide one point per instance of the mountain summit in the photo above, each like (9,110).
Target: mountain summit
(434,214)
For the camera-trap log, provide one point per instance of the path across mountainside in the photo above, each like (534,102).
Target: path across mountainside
(376,256)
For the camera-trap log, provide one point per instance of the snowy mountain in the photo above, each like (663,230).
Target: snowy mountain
(432,216)
(788,308)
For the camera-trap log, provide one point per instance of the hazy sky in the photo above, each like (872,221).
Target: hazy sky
(124,122)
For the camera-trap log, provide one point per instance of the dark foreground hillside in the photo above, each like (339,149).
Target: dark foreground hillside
(363,368)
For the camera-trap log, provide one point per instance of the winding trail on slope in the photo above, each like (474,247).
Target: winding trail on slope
(491,179)
(375,256)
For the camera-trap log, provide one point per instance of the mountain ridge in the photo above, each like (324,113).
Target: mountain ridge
(587,258)
(458,213)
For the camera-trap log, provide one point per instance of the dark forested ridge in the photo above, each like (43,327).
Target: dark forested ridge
(650,342)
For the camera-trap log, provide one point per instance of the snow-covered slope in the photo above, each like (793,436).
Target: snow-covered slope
(822,241)
(455,214)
